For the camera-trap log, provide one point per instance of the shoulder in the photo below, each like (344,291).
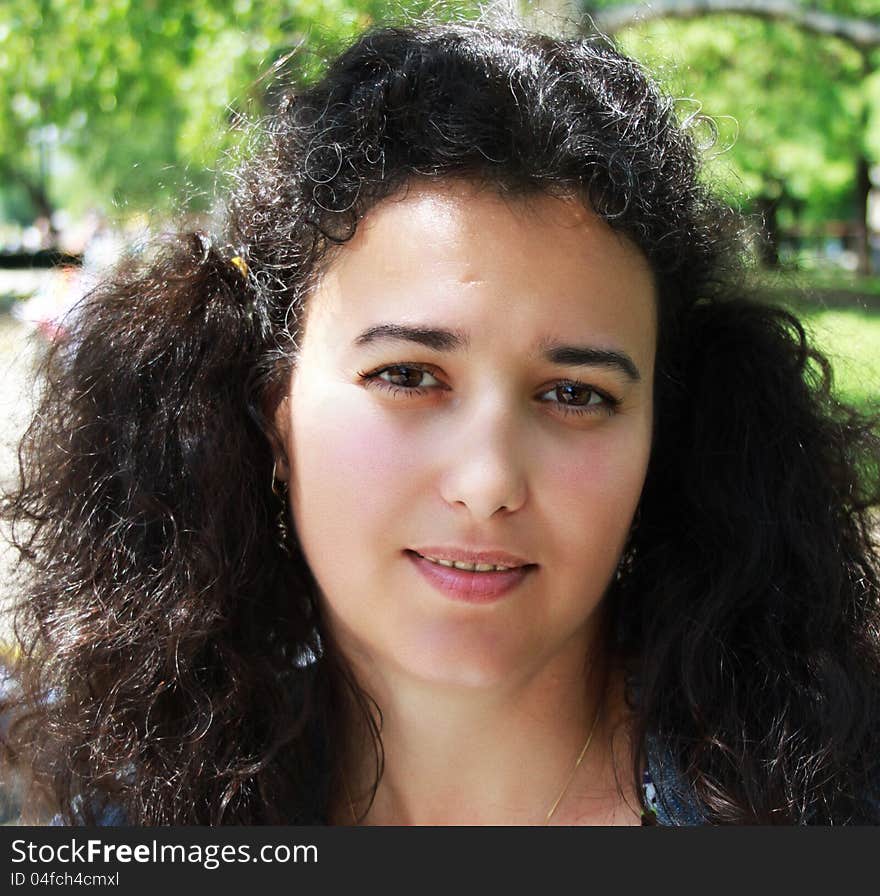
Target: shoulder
(667,794)
(108,816)
(672,801)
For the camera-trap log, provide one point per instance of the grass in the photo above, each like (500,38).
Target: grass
(842,314)
(851,340)
(825,285)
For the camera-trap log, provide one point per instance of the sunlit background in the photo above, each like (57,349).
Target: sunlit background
(118,117)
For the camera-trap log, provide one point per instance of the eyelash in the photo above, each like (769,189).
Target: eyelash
(373,379)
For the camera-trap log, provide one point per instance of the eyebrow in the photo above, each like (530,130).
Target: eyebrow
(443,340)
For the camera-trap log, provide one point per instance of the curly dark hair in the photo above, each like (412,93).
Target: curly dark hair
(169,645)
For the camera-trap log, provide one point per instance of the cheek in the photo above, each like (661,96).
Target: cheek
(351,470)
(592,493)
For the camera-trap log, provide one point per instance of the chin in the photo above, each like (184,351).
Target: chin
(476,667)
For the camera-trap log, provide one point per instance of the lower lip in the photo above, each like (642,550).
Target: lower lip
(470,587)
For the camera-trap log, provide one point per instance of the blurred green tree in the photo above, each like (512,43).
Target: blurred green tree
(136,102)
(795,91)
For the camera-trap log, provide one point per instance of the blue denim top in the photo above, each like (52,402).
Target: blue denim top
(667,795)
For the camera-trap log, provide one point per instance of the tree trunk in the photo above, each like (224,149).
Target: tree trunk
(40,202)
(862,232)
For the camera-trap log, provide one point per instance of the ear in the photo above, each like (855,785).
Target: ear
(277,415)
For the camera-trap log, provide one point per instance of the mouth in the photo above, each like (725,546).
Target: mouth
(468,566)
(470,581)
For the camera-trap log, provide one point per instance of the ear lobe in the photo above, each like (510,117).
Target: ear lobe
(280,420)
(281,468)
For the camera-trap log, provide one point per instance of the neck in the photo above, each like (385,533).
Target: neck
(488,756)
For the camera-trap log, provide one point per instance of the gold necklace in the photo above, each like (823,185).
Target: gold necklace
(576,766)
(556,803)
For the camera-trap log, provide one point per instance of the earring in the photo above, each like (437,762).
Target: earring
(282,532)
(624,563)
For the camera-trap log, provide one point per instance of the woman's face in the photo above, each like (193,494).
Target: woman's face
(476,375)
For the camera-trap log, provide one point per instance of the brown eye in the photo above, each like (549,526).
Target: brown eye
(579,398)
(575,393)
(402,379)
(406,377)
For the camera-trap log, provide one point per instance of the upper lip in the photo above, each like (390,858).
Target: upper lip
(472,555)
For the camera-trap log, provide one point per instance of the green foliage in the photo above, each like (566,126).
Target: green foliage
(141,97)
(788,104)
(793,109)
(144,100)
(100,75)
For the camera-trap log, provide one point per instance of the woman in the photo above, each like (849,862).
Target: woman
(458,482)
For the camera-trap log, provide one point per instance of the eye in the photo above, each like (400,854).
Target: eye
(571,397)
(401,378)
(580,398)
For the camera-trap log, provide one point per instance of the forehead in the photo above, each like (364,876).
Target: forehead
(463,256)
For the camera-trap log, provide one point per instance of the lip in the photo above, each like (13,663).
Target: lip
(470,587)
(467,555)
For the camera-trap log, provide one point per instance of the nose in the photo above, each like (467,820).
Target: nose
(486,470)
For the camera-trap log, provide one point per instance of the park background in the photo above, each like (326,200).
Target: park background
(119,117)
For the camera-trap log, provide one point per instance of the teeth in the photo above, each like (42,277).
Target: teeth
(470,567)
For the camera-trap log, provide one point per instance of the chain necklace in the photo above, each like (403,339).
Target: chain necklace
(576,766)
(556,802)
